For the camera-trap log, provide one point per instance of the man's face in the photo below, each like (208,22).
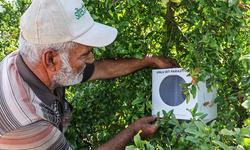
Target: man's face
(72,66)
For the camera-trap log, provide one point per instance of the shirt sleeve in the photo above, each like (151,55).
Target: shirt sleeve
(88,72)
(40,135)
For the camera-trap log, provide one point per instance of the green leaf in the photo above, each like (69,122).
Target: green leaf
(126,56)
(150,147)
(164,2)
(112,22)
(187,97)
(233,98)
(246,104)
(245,57)
(149,105)
(94,16)
(203,116)
(224,146)
(245,130)
(148,20)
(142,109)
(240,147)
(158,114)
(135,117)
(165,115)
(237,131)
(226,132)
(193,91)
(141,94)
(192,139)
(170,121)
(138,100)
(137,139)
(246,82)
(131,147)
(124,23)
(198,114)
(176,1)
(138,55)
(174,119)
(160,148)
(130,2)
(212,125)
(246,142)
(200,126)
(173,140)
(157,122)
(232,2)
(237,9)
(191,131)
(195,108)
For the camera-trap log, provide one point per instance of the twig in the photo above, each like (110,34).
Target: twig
(183,34)
(178,28)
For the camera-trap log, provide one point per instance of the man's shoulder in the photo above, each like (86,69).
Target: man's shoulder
(9,59)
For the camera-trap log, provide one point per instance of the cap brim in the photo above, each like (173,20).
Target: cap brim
(98,35)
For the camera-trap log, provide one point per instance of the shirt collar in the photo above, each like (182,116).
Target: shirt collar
(39,88)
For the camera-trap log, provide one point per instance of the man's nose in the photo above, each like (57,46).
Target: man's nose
(90,58)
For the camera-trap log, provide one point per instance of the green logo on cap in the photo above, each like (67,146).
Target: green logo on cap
(80,12)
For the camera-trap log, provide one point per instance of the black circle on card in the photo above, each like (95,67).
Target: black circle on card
(170,90)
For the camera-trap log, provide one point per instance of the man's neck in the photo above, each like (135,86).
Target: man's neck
(40,72)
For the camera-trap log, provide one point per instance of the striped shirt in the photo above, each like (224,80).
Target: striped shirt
(31,117)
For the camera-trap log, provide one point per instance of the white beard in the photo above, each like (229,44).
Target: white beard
(65,76)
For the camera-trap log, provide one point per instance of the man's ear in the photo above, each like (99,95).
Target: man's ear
(51,60)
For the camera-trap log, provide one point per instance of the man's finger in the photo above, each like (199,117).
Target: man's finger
(150,118)
(175,63)
(155,128)
(160,119)
(158,126)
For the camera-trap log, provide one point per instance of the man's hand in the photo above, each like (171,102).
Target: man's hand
(121,140)
(147,125)
(163,62)
(109,68)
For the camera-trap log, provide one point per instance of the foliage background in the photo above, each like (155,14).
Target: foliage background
(210,35)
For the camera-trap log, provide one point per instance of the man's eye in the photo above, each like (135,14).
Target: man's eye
(86,55)
(83,57)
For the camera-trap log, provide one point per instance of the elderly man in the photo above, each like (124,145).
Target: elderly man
(56,43)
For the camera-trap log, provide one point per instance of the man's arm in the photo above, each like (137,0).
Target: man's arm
(109,68)
(121,140)
(39,135)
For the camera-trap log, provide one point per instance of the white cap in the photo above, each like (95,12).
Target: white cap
(57,21)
